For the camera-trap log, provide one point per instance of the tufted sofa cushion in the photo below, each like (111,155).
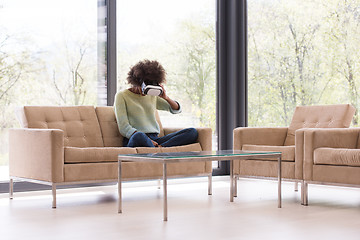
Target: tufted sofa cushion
(321,116)
(79,123)
(109,127)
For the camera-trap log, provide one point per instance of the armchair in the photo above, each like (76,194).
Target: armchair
(288,140)
(332,157)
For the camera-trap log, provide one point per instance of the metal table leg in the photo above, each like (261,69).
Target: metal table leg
(165,191)
(119,188)
(231,180)
(279,182)
(235,185)
(11,188)
(210,184)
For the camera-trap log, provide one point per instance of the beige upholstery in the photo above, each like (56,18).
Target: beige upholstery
(95,154)
(325,116)
(37,154)
(81,143)
(340,147)
(290,141)
(287,152)
(331,156)
(79,124)
(337,157)
(109,127)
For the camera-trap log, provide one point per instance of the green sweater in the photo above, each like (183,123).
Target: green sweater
(135,112)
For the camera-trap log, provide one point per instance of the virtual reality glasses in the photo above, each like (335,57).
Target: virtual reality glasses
(151,89)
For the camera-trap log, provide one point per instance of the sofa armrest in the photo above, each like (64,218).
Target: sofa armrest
(37,154)
(299,153)
(326,137)
(204,136)
(259,136)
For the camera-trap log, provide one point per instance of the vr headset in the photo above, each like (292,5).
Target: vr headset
(152,90)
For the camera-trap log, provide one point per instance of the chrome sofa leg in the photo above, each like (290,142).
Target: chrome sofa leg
(53,195)
(306,197)
(11,188)
(210,184)
(296,186)
(302,192)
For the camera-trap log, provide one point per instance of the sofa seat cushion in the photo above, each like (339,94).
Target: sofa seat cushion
(95,154)
(181,168)
(185,148)
(287,152)
(337,156)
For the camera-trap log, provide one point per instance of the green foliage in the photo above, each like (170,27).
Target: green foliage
(301,53)
(195,73)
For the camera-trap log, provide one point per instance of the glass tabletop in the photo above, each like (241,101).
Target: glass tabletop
(171,155)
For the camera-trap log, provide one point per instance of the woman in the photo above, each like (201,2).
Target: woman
(135,111)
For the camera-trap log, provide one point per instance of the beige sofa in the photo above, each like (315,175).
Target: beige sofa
(331,156)
(80,144)
(288,140)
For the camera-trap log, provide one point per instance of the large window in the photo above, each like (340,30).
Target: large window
(180,34)
(48,56)
(301,52)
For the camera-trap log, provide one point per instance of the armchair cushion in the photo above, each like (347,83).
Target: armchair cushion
(287,152)
(272,136)
(337,156)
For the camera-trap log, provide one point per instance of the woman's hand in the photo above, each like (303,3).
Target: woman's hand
(172,103)
(155,143)
(163,95)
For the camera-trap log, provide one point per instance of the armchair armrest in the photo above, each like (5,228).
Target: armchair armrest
(259,136)
(204,136)
(37,154)
(326,137)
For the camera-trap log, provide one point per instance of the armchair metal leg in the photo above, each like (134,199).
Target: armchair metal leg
(210,184)
(296,186)
(11,188)
(159,183)
(54,196)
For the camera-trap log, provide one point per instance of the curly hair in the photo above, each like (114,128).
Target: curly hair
(151,72)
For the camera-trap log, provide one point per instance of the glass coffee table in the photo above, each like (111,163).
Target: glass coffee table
(176,157)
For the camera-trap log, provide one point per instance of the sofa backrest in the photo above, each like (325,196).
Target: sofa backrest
(321,116)
(109,127)
(79,123)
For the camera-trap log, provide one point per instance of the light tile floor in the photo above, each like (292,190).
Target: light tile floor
(91,213)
